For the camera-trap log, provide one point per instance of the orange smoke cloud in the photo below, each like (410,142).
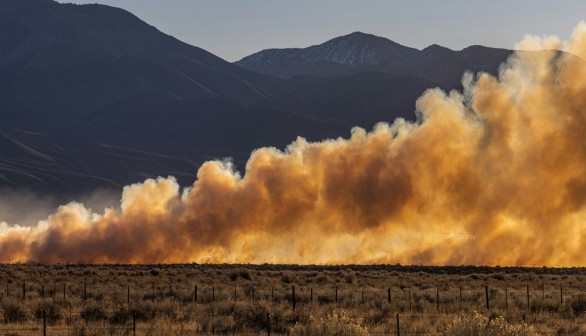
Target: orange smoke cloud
(493,175)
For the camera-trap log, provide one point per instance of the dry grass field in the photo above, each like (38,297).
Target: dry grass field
(288,299)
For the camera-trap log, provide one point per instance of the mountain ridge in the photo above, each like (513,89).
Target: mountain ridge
(352,50)
(388,57)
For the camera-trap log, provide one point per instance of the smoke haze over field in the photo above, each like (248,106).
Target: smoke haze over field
(493,175)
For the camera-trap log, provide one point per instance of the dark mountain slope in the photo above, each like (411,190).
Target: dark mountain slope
(111,100)
(446,66)
(362,99)
(60,63)
(174,142)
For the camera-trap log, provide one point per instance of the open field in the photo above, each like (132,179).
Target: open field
(263,299)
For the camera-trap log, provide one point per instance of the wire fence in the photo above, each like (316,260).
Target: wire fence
(396,324)
(526,297)
(403,310)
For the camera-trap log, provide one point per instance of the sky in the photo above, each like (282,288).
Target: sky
(233,29)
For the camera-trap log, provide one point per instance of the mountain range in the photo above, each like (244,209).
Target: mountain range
(93,97)
(358,52)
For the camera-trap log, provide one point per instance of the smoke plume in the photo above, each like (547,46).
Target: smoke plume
(495,174)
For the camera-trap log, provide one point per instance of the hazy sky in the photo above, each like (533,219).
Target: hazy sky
(233,29)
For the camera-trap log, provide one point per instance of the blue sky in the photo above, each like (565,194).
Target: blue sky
(233,29)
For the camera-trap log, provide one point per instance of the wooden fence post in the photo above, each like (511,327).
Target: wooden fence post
(64,291)
(195,294)
(311,295)
(506,297)
(398,326)
(336,294)
(461,301)
(486,295)
(234,292)
(128,294)
(561,295)
(527,297)
(410,300)
(389,295)
(44,324)
(437,298)
(84,291)
(268,324)
(24,291)
(293,293)
(213,294)
(362,295)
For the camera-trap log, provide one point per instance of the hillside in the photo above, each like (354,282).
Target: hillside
(112,100)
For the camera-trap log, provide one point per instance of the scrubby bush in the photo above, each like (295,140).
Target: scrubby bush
(252,316)
(350,278)
(242,273)
(245,274)
(51,310)
(93,312)
(13,312)
(289,277)
(498,276)
(336,323)
(121,316)
(578,305)
(480,325)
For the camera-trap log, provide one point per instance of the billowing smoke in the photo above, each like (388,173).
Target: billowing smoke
(493,175)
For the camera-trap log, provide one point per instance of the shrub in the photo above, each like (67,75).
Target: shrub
(498,276)
(288,277)
(13,312)
(51,309)
(242,273)
(338,324)
(93,312)
(350,278)
(121,316)
(480,325)
(578,304)
(167,309)
(245,274)
(252,316)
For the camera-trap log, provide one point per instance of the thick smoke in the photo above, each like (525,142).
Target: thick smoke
(493,175)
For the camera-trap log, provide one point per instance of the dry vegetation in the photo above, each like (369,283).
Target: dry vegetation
(341,300)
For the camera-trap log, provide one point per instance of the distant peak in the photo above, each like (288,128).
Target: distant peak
(436,48)
(357,35)
(353,50)
(478,47)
